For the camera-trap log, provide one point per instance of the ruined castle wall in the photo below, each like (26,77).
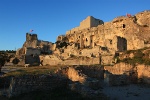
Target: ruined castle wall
(118,43)
(30,37)
(84,61)
(86,23)
(106,60)
(32,51)
(51,60)
(103,34)
(133,72)
(124,27)
(75,29)
(32,44)
(90,22)
(29,83)
(132,33)
(89,52)
(96,22)
(120,68)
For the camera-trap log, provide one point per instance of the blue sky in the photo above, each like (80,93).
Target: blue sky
(50,18)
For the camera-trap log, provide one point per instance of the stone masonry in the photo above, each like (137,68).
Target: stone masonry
(29,83)
(94,38)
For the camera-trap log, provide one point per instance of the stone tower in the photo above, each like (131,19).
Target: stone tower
(31,37)
(31,40)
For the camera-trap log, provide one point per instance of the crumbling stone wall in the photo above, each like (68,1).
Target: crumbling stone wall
(82,81)
(32,60)
(28,83)
(130,73)
(32,51)
(31,40)
(93,71)
(81,73)
(89,22)
(122,33)
(31,37)
(123,26)
(32,46)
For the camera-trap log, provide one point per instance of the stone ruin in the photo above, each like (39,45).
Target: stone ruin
(87,80)
(94,39)
(93,42)
(76,78)
(28,83)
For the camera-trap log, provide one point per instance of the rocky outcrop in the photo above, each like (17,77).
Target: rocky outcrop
(143,18)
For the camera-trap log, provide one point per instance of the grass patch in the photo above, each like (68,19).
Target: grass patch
(140,57)
(33,71)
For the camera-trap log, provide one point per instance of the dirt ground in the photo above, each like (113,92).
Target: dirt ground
(128,92)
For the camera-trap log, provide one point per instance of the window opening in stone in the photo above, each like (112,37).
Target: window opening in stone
(110,41)
(124,25)
(86,40)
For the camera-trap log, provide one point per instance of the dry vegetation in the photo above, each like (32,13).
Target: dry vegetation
(33,70)
(140,56)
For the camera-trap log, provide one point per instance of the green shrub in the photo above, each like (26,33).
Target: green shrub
(138,54)
(129,51)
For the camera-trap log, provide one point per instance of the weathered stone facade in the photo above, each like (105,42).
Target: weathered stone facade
(86,80)
(95,39)
(123,73)
(122,33)
(32,48)
(124,27)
